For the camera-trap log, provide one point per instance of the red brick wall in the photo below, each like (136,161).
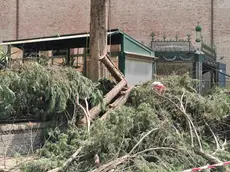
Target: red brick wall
(169,17)
(138,18)
(48,17)
(222,30)
(43,18)
(7,19)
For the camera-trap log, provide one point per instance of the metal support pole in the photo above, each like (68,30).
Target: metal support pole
(198,68)
(216,78)
(154,67)
(212,78)
(8,57)
(85,62)
(212,23)
(68,56)
(17,19)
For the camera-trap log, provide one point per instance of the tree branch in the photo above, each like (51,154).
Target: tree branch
(211,159)
(113,164)
(85,110)
(157,148)
(142,139)
(214,136)
(67,162)
(182,109)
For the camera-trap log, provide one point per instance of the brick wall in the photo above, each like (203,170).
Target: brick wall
(222,31)
(7,19)
(43,18)
(138,18)
(169,17)
(48,17)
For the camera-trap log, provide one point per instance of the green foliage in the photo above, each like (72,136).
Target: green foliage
(105,85)
(210,107)
(3,58)
(146,110)
(41,165)
(33,91)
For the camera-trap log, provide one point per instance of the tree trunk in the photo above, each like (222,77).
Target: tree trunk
(95,111)
(116,73)
(98,37)
(118,103)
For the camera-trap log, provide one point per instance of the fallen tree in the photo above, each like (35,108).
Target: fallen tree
(172,132)
(95,111)
(120,101)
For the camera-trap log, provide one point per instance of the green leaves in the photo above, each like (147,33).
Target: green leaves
(33,91)
(144,112)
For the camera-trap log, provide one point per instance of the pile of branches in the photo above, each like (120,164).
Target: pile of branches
(171,132)
(35,92)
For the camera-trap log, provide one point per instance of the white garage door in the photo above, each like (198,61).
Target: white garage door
(137,72)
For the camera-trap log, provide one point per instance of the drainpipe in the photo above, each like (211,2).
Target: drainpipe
(212,27)
(17,18)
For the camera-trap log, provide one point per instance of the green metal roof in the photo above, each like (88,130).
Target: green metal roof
(132,45)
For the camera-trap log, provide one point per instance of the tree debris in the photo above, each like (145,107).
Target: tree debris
(150,132)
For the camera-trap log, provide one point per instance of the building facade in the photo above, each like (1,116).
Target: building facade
(138,18)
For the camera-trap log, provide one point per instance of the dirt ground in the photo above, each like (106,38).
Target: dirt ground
(10,164)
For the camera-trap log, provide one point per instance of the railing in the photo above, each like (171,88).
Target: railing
(208,50)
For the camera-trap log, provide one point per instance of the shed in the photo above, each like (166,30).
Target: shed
(135,60)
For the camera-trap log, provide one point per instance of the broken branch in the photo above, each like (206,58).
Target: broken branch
(118,103)
(111,67)
(94,112)
(68,161)
(86,112)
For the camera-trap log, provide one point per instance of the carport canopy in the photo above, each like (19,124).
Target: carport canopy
(80,40)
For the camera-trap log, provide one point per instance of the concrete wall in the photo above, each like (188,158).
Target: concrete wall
(22,138)
(137,18)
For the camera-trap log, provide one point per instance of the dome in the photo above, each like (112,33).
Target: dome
(198,28)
